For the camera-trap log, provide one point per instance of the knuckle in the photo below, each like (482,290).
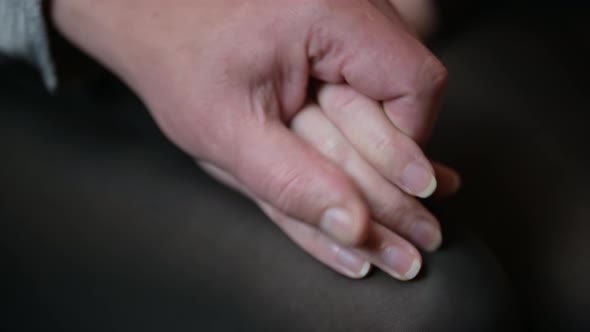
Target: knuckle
(307,193)
(341,99)
(336,150)
(289,188)
(384,148)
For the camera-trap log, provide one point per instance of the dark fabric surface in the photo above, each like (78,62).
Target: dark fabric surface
(515,124)
(106,227)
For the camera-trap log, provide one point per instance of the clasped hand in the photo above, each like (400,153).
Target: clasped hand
(338,166)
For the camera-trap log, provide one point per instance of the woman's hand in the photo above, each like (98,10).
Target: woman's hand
(399,221)
(224,78)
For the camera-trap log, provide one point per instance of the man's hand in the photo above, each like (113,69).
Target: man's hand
(223,78)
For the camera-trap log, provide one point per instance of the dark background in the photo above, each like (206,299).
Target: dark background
(107,227)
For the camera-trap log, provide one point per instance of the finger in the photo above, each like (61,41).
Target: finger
(415,116)
(449,181)
(393,154)
(380,59)
(279,168)
(419,19)
(388,204)
(317,244)
(391,253)
(384,249)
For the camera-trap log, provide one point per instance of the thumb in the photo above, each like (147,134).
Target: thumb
(279,168)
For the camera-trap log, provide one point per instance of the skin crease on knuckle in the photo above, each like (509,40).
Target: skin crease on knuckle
(292,190)
(335,150)
(390,150)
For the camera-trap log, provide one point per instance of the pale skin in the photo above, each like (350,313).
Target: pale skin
(227,81)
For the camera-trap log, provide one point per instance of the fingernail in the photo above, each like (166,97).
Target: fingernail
(356,266)
(338,224)
(427,235)
(419,180)
(402,264)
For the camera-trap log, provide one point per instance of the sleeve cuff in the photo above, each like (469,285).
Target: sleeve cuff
(23,34)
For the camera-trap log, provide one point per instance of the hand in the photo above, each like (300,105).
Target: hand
(400,221)
(224,78)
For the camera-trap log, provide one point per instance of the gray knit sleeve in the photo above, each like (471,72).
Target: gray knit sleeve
(23,35)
